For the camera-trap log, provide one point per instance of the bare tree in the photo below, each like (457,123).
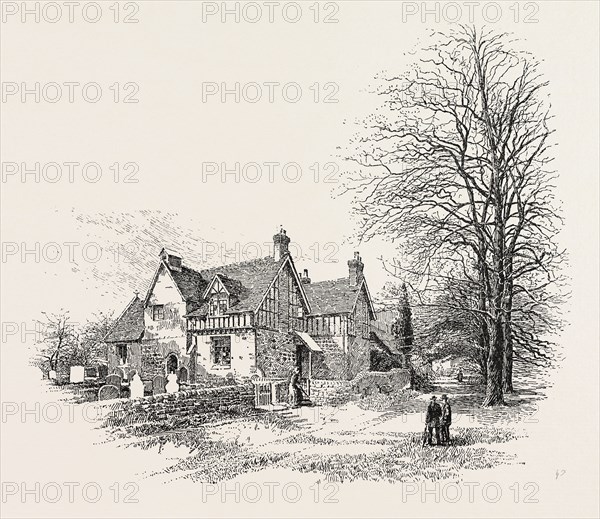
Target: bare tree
(58,336)
(90,346)
(454,168)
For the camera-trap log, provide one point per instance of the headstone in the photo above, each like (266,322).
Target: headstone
(103,371)
(158,385)
(131,374)
(136,387)
(172,385)
(91,372)
(52,374)
(109,392)
(114,380)
(76,374)
(183,375)
(120,372)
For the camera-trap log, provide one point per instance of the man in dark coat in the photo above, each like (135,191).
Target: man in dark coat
(295,389)
(432,420)
(446,420)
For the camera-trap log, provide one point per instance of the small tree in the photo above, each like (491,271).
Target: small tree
(62,345)
(58,337)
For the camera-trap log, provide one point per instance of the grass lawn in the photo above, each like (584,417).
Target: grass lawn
(377,439)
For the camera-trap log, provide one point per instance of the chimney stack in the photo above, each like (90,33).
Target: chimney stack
(305,279)
(172,259)
(355,270)
(280,244)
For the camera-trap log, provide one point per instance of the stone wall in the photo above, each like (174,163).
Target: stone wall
(372,382)
(180,404)
(331,362)
(331,392)
(275,353)
(338,392)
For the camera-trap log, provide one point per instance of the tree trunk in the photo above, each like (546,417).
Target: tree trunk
(484,344)
(507,369)
(494,394)
(493,389)
(484,333)
(507,375)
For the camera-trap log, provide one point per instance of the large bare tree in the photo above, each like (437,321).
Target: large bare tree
(454,166)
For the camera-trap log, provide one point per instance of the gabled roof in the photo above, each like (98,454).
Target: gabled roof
(233,287)
(129,326)
(191,284)
(335,296)
(247,281)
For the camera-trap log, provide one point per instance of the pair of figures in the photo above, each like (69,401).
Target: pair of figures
(438,419)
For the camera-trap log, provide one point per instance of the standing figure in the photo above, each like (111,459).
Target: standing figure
(446,419)
(295,390)
(459,375)
(432,420)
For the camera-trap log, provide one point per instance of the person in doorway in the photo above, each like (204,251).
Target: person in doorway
(432,421)
(446,420)
(295,389)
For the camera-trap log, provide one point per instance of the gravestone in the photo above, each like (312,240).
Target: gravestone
(158,385)
(103,371)
(91,372)
(52,374)
(120,372)
(136,386)
(172,385)
(131,374)
(109,392)
(183,375)
(114,380)
(76,374)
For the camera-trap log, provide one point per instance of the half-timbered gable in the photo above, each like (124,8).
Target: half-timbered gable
(285,305)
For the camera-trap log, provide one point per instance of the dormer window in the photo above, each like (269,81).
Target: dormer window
(217,296)
(218,304)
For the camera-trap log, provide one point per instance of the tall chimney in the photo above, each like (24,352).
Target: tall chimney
(280,244)
(355,270)
(305,279)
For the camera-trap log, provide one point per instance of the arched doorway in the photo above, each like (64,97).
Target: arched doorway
(171,364)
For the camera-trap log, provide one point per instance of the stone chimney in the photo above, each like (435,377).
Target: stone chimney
(280,244)
(304,278)
(355,270)
(172,259)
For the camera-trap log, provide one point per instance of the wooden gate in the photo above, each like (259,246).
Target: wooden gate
(305,383)
(263,393)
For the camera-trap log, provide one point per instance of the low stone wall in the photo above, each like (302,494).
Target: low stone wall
(180,404)
(331,392)
(372,382)
(338,392)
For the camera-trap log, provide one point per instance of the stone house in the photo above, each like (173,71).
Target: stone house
(257,318)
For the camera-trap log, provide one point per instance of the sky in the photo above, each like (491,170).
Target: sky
(202,162)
